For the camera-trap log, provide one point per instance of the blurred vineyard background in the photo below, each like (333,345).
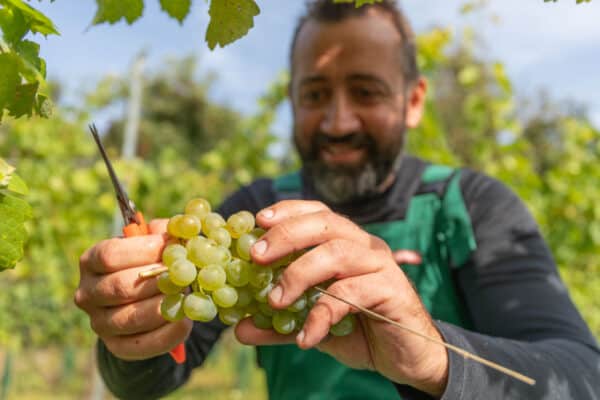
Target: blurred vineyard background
(544,149)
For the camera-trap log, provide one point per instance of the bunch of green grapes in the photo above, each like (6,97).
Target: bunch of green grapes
(211,257)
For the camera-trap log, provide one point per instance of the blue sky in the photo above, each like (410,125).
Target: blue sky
(543,45)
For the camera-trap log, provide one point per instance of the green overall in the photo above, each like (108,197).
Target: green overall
(438,227)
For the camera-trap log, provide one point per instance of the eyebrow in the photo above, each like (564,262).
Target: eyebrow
(312,79)
(371,79)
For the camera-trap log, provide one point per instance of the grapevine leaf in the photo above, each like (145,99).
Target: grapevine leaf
(43,106)
(17,185)
(6,171)
(229,21)
(24,100)
(38,22)
(9,71)
(177,9)
(13,25)
(29,52)
(14,212)
(112,11)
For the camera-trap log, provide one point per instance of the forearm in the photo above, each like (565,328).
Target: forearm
(563,369)
(158,376)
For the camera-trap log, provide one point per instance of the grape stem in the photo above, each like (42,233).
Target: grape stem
(150,272)
(456,349)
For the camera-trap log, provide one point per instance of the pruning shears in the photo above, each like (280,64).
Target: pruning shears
(135,225)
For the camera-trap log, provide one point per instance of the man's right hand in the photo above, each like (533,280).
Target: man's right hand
(124,310)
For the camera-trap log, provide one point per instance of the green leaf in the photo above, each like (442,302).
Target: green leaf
(14,212)
(23,101)
(43,106)
(9,71)
(6,171)
(38,22)
(13,25)
(177,9)
(112,11)
(17,185)
(229,21)
(29,52)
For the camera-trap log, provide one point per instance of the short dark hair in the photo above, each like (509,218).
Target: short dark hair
(328,11)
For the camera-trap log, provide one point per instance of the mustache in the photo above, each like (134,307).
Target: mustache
(355,140)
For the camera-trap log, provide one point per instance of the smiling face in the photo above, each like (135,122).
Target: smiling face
(351,104)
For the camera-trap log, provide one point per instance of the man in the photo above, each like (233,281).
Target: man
(481,268)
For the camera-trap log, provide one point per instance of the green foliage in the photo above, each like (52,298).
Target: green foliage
(73,203)
(14,213)
(23,71)
(358,3)
(177,9)
(112,11)
(229,21)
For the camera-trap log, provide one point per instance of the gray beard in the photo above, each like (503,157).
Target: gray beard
(344,185)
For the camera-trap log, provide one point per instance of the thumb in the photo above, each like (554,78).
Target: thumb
(158,226)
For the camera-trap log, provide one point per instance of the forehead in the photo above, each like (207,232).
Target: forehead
(367,44)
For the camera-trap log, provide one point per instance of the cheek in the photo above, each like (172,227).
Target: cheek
(383,124)
(306,124)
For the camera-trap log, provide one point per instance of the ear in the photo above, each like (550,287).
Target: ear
(416,103)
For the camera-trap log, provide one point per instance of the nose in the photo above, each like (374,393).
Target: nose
(340,117)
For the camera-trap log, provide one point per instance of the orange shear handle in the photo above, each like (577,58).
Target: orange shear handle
(133,229)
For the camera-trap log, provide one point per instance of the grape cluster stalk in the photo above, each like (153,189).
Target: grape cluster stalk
(210,273)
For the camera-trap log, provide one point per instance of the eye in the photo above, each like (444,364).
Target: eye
(313,96)
(364,94)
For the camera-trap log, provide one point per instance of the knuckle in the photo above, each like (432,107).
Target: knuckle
(339,249)
(106,253)
(319,204)
(120,290)
(80,298)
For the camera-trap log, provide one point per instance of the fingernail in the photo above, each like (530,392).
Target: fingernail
(276,294)
(260,247)
(300,336)
(268,213)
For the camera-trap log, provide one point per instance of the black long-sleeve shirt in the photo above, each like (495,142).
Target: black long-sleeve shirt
(522,315)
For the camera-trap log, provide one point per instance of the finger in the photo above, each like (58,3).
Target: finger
(336,259)
(247,333)
(407,257)
(119,253)
(117,288)
(300,232)
(282,210)
(364,291)
(158,226)
(149,344)
(139,317)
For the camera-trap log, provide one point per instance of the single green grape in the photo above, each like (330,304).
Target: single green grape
(260,276)
(182,272)
(198,207)
(173,252)
(344,327)
(173,225)
(188,226)
(299,304)
(199,307)
(266,309)
(245,297)
(211,277)
(243,245)
(240,223)
(312,295)
(238,272)
(212,221)
(232,315)
(284,322)
(262,321)
(225,296)
(221,236)
(171,307)
(166,285)
(261,295)
(203,251)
